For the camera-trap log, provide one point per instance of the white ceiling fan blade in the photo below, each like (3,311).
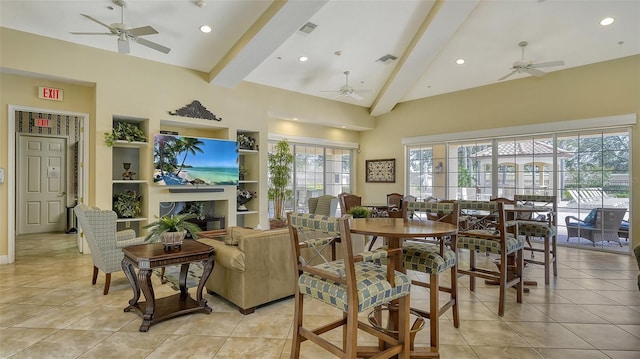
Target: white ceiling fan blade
(356,96)
(141,31)
(548,64)
(507,75)
(92,33)
(535,72)
(100,22)
(123,46)
(152,45)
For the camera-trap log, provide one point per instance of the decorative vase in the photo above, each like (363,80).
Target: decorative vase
(172,240)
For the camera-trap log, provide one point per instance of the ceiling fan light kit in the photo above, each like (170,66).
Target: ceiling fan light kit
(529,67)
(124,33)
(347,90)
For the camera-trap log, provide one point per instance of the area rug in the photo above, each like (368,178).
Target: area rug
(172,275)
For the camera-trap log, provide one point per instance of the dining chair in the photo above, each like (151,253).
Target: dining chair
(488,232)
(543,226)
(434,259)
(394,200)
(347,201)
(353,285)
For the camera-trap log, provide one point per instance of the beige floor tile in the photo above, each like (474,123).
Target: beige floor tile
(457,352)
(58,317)
(250,348)
(490,333)
(549,335)
(633,329)
(583,296)
(492,352)
(65,344)
(615,314)
(617,354)
(551,353)
(12,314)
(569,313)
(191,346)
(271,326)
(13,340)
(605,336)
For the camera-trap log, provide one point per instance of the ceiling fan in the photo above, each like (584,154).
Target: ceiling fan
(124,33)
(347,90)
(521,65)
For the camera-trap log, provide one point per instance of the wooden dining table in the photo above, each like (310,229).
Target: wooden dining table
(396,230)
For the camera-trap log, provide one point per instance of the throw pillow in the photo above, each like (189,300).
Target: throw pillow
(591,217)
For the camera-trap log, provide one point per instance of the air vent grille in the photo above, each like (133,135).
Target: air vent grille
(308,28)
(387,59)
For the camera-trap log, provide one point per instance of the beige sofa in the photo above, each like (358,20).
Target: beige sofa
(252,267)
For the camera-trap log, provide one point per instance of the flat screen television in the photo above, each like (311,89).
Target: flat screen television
(191,161)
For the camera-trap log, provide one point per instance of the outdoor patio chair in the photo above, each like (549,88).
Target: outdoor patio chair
(325,205)
(601,224)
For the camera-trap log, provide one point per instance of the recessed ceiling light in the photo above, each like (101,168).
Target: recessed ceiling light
(607,21)
(205,28)
(303,58)
(460,61)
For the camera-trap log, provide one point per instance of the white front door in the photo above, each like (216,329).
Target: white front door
(41,183)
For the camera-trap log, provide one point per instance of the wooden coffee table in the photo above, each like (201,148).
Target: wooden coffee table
(147,257)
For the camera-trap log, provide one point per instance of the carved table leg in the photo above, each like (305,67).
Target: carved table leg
(144,277)
(206,272)
(129,271)
(184,270)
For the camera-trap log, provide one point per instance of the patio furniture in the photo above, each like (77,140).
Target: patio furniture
(601,224)
(105,243)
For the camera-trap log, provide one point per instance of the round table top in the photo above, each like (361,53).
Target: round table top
(399,228)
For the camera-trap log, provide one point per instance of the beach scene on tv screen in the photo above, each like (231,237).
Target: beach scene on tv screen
(181,160)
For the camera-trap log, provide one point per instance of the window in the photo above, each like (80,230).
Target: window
(318,170)
(584,169)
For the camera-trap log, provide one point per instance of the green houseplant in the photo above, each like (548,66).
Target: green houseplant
(127,204)
(280,165)
(172,229)
(360,212)
(123,131)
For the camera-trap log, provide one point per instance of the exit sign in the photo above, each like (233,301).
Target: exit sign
(42,122)
(50,93)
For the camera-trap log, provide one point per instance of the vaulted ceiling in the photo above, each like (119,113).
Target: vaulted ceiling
(261,41)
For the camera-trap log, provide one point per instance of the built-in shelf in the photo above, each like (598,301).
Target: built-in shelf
(134,144)
(244,181)
(136,219)
(246,212)
(129,181)
(248,151)
(195,189)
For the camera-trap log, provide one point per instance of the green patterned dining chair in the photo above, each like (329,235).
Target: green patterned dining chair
(353,285)
(489,232)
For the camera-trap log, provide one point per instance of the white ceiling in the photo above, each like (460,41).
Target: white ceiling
(258,41)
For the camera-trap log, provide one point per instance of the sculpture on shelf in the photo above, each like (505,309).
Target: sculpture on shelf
(244,196)
(128,173)
(195,110)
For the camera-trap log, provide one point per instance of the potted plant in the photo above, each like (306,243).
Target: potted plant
(172,229)
(127,204)
(280,163)
(360,212)
(124,131)
(246,142)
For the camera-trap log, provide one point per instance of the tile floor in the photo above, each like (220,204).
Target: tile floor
(49,309)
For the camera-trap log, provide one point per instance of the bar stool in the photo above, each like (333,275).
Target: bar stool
(352,285)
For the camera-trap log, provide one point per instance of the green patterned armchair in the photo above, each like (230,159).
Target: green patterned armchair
(105,242)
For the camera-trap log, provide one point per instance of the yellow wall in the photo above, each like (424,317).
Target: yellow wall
(127,85)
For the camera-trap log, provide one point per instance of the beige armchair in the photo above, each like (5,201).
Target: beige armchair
(324,205)
(105,243)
